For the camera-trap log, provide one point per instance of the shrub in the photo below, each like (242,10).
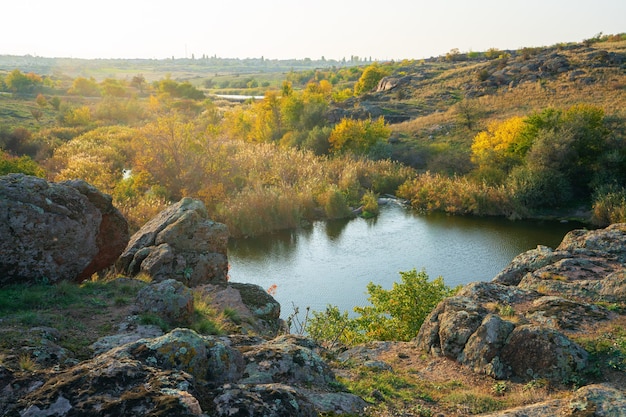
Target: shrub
(334,203)
(24,165)
(398,313)
(369,202)
(395,314)
(609,205)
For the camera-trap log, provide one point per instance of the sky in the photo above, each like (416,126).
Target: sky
(288,29)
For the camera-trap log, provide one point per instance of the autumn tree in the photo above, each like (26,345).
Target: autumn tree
(138,82)
(113,88)
(99,157)
(175,153)
(358,136)
(494,150)
(369,79)
(86,87)
(21,83)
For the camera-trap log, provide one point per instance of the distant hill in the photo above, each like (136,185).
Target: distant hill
(445,101)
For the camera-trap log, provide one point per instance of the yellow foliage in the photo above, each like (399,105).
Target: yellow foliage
(358,136)
(495,146)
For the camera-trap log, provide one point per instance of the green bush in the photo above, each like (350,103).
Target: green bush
(24,165)
(395,314)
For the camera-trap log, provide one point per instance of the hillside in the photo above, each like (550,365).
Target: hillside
(436,106)
(548,126)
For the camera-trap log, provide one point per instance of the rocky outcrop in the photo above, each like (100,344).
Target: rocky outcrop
(56,231)
(180,243)
(184,374)
(523,323)
(592,400)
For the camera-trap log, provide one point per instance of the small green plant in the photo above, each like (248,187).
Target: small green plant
(295,324)
(149,319)
(232,315)
(421,411)
(207,327)
(499,388)
(120,301)
(27,363)
(535,384)
(506,310)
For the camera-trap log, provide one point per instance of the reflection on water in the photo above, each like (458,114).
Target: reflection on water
(332,262)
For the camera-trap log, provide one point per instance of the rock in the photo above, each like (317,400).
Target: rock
(184,374)
(526,262)
(106,386)
(206,358)
(275,400)
(56,231)
(474,329)
(534,352)
(592,400)
(257,311)
(170,300)
(483,347)
(284,360)
(609,241)
(113,233)
(521,324)
(180,243)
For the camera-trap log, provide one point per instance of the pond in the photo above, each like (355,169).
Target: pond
(332,262)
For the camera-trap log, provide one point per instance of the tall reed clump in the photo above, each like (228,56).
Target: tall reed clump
(456,195)
(279,188)
(261,210)
(609,206)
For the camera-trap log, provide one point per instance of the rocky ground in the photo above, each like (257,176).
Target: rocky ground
(546,337)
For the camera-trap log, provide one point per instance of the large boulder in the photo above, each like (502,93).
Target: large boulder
(56,231)
(180,243)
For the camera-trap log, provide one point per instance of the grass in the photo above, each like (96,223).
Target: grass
(68,307)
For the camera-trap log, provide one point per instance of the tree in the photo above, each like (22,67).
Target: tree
(496,148)
(369,79)
(113,88)
(174,153)
(138,82)
(86,87)
(24,164)
(22,83)
(41,100)
(358,136)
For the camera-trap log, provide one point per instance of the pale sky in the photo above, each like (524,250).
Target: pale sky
(284,29)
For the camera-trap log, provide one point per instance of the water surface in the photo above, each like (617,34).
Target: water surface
(332,262)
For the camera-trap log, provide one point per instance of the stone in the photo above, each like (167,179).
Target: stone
(206,358)
(170,300)
(257,311)
(609,241)
(591,400)
(283,360)
(56,231)
(276,400)
(184,374)
(522,324)
(180,243)
(526,262)
(537,352)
